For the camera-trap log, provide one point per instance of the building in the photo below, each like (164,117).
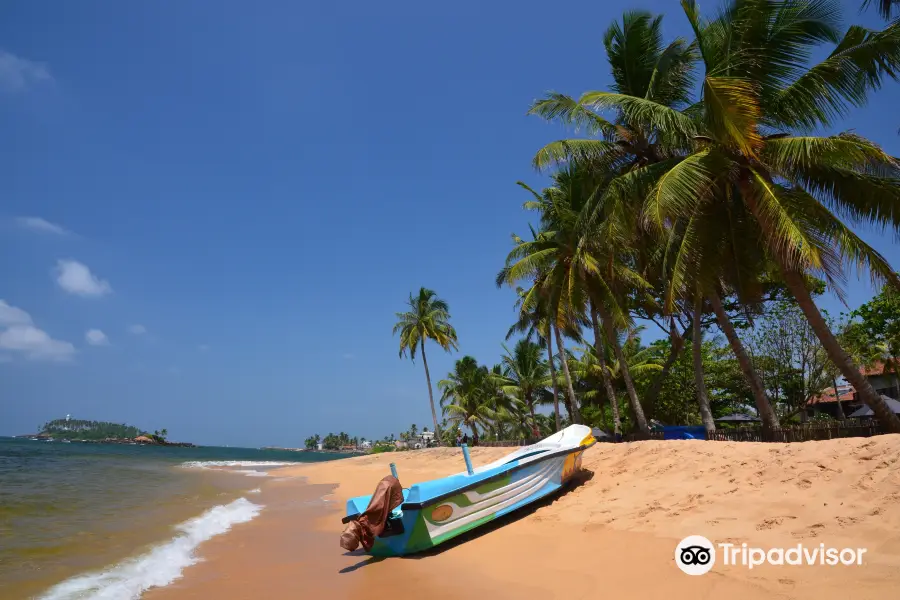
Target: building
(880,376)
(365,445)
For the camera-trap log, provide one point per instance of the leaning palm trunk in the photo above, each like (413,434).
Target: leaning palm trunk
(553,380)
(851,373)
(573,406)
(613,339)
(437,429)
(697,351)
(763,407)
(600,351)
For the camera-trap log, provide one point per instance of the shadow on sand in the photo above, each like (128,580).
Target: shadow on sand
(577,480)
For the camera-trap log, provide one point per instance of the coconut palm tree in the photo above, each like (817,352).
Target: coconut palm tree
(640,362)
(525,376)
(577,264)
(428,318)
(744,147)
(533,320)
(750,152)
(468,396)
(645,70)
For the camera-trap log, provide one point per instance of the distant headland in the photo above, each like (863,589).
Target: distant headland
(101,432)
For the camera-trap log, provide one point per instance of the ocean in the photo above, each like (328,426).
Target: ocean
(103,521)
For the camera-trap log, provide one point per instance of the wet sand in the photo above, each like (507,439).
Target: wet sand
(613,533)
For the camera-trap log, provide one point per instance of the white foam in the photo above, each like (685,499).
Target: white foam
(206,464)
(251,473)
(256,491)
(160,566)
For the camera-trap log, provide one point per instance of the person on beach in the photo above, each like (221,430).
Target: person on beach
(459,437)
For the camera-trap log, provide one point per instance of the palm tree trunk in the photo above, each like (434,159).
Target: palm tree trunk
(763,407)
(535,432)
(474,434)
(553,379)
(850,371)
(797,285)
(600,351)
(437,429)
(639,417)
(837,399)
(656,385)
(697,348)
(573,406)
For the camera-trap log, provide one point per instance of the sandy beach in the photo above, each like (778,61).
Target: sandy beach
(614,532)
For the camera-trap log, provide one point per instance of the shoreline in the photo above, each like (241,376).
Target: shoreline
(615,532)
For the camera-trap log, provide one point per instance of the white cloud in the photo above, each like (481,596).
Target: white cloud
(202,347)
(10,315)
(76,278)
(137,329)
(95,337)
(18,74)
(35,344)
(41,225)
(19,335)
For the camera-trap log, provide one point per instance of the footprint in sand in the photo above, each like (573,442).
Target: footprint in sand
(810,532)
(772,522)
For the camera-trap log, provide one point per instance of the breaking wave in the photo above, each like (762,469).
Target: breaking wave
(160,566)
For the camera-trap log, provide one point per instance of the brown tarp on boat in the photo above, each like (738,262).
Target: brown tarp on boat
(388,496)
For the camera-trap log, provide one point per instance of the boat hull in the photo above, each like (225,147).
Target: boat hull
(473,501)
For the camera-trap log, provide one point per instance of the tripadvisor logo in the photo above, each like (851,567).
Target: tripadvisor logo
(696,555)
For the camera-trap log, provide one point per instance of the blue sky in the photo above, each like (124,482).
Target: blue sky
(211,211)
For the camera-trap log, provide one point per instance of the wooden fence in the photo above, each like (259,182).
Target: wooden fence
(819,430)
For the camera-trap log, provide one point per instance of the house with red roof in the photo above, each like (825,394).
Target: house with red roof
(882,376)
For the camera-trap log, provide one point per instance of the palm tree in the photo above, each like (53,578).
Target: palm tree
(428,318)
(742,150)
(746,156)
(467,396)
(533,320)
(525,376)
(885,7)
(576,266)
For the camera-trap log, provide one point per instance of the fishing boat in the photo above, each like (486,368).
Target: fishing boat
(433,512)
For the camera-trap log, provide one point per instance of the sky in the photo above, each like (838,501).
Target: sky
(210,212)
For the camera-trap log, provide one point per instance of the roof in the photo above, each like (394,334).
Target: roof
(846,393)
(865,411)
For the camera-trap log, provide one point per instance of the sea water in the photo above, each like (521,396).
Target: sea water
(111,521)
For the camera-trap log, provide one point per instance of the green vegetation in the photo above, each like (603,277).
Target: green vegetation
(79,429)
(332,441)
(700,200)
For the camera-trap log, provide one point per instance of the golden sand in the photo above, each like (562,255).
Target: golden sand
(612,535)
